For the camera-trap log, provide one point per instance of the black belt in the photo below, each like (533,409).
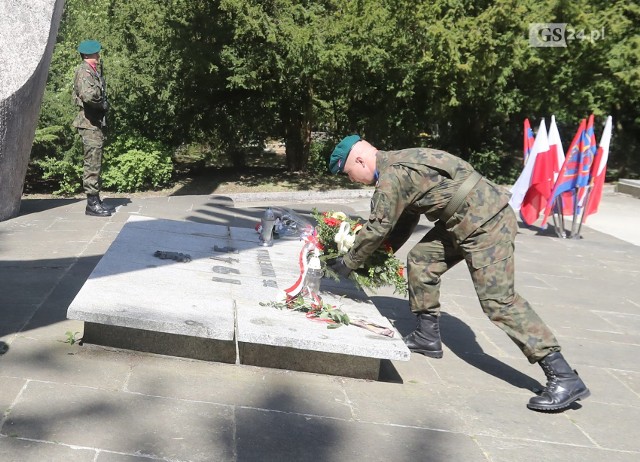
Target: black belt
(460,195)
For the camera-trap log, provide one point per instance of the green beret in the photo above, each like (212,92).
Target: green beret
(341,152)
(89,47)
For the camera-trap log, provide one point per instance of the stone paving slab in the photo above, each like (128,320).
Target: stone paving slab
(510,450)
(512,418)
(20,450)
(266,437)
(131,424)
(252,386)
(56,361)
(465,406)
(10,388)
(621,436)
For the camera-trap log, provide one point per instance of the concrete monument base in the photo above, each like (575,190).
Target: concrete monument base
(203,291)
(184,346)
(295,359)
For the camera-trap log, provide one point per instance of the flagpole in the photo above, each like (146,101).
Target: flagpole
(558,217)
(584,209)
(555,222)
(554,216)
(575,213)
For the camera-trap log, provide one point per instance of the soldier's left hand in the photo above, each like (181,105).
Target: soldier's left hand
(340,268)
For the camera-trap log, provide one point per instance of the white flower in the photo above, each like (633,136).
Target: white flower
(344,238)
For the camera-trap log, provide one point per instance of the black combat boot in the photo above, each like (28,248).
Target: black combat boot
(563,385)
(94,208)
(105,206)
(426,338)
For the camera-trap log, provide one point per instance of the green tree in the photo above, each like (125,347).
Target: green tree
(223,75)
(278,55)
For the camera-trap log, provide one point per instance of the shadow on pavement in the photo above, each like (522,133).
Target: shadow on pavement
(29,206)
(461,340)
(37,293)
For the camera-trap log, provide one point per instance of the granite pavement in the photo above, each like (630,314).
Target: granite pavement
(62,400)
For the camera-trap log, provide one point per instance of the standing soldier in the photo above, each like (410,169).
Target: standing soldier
(473,222)
(89,94)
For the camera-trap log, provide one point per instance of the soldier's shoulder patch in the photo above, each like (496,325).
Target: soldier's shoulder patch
(379,206)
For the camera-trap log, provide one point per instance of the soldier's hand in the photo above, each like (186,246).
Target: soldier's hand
(340,268)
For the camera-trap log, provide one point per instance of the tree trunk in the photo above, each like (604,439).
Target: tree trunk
(298,133)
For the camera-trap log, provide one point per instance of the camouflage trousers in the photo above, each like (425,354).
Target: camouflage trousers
(488,253)
(93,141)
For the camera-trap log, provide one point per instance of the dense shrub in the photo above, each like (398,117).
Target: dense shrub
(135,165)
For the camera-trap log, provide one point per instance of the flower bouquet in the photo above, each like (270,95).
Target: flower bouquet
(333,236)
(336,234)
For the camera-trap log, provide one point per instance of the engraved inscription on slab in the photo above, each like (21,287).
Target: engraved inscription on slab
(229,260)
(264,261)
(225,270)
(226,280)
(225,249)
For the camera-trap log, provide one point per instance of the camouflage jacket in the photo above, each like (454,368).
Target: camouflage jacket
(89,94)
(420,181)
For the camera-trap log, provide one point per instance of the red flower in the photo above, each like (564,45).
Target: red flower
(387,247)
(332,222)
(401,272)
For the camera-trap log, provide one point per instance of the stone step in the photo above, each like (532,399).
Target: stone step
(631,187)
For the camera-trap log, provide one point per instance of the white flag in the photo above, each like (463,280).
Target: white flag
(520,188)
(556,147)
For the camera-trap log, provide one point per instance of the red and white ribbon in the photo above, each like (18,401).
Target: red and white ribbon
(311,242)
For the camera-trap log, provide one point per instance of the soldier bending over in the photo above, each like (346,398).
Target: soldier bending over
(473,222)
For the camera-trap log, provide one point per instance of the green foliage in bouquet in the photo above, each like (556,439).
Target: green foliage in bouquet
(382,268)
(332,315)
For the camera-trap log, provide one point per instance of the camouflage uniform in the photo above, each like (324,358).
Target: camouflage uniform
(482,232)
(90,96)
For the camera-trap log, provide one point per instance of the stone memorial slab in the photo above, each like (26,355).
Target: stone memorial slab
(135,300)
(214,304)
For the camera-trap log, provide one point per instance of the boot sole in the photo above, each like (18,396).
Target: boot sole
(92,214)
(584,395)
(430,354)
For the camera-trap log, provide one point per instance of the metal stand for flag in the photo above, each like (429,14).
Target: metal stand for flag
(558,218)
(576,211)
(556,224)
(584,209)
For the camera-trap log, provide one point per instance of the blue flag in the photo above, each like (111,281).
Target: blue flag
(571,169)
(587,153)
